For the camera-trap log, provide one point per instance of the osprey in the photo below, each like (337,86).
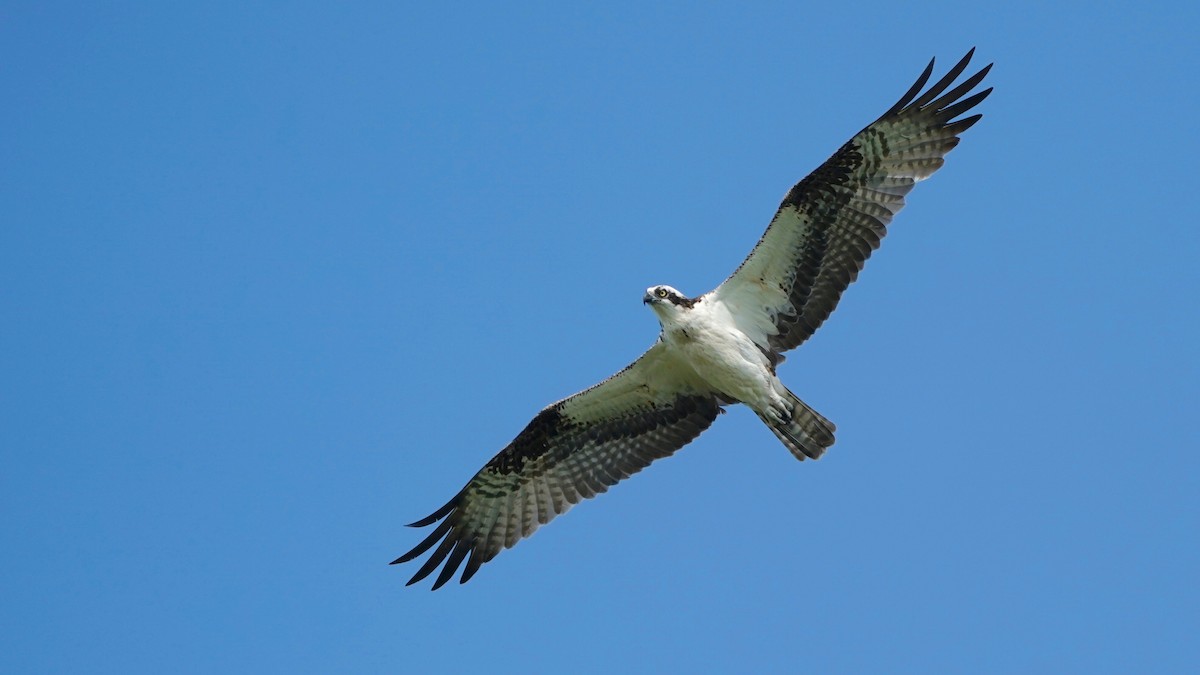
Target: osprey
(716,349)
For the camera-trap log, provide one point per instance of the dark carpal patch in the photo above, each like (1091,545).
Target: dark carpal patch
(531,443)
(834,172)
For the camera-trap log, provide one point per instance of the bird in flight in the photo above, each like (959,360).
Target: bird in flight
(714,350)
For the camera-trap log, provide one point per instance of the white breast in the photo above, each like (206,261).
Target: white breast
(711,343)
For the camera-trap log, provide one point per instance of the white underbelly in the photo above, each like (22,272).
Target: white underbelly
(731,363)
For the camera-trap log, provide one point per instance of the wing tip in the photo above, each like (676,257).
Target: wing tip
(454,548)
(454,545)
(439,514)
(912,91)
(914,98)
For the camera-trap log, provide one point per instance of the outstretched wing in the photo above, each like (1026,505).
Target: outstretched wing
(571,451)
(830,222)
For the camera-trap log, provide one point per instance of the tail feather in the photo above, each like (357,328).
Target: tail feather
(804,431)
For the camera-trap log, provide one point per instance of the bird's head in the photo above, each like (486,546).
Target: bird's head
(666,301)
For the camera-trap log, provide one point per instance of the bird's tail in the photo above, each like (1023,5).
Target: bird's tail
(803,430)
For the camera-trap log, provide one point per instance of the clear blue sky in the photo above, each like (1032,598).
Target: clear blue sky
(278,278)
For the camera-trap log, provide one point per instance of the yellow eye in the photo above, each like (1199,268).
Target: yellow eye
(662,293)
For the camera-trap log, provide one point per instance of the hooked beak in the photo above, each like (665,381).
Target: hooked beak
(647,299)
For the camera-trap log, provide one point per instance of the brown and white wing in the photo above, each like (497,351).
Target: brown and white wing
(571,451)
(830,222)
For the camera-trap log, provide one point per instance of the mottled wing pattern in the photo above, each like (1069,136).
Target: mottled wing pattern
(571,451)
(830,222)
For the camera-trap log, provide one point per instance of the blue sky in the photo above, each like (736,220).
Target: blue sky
(278,278)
